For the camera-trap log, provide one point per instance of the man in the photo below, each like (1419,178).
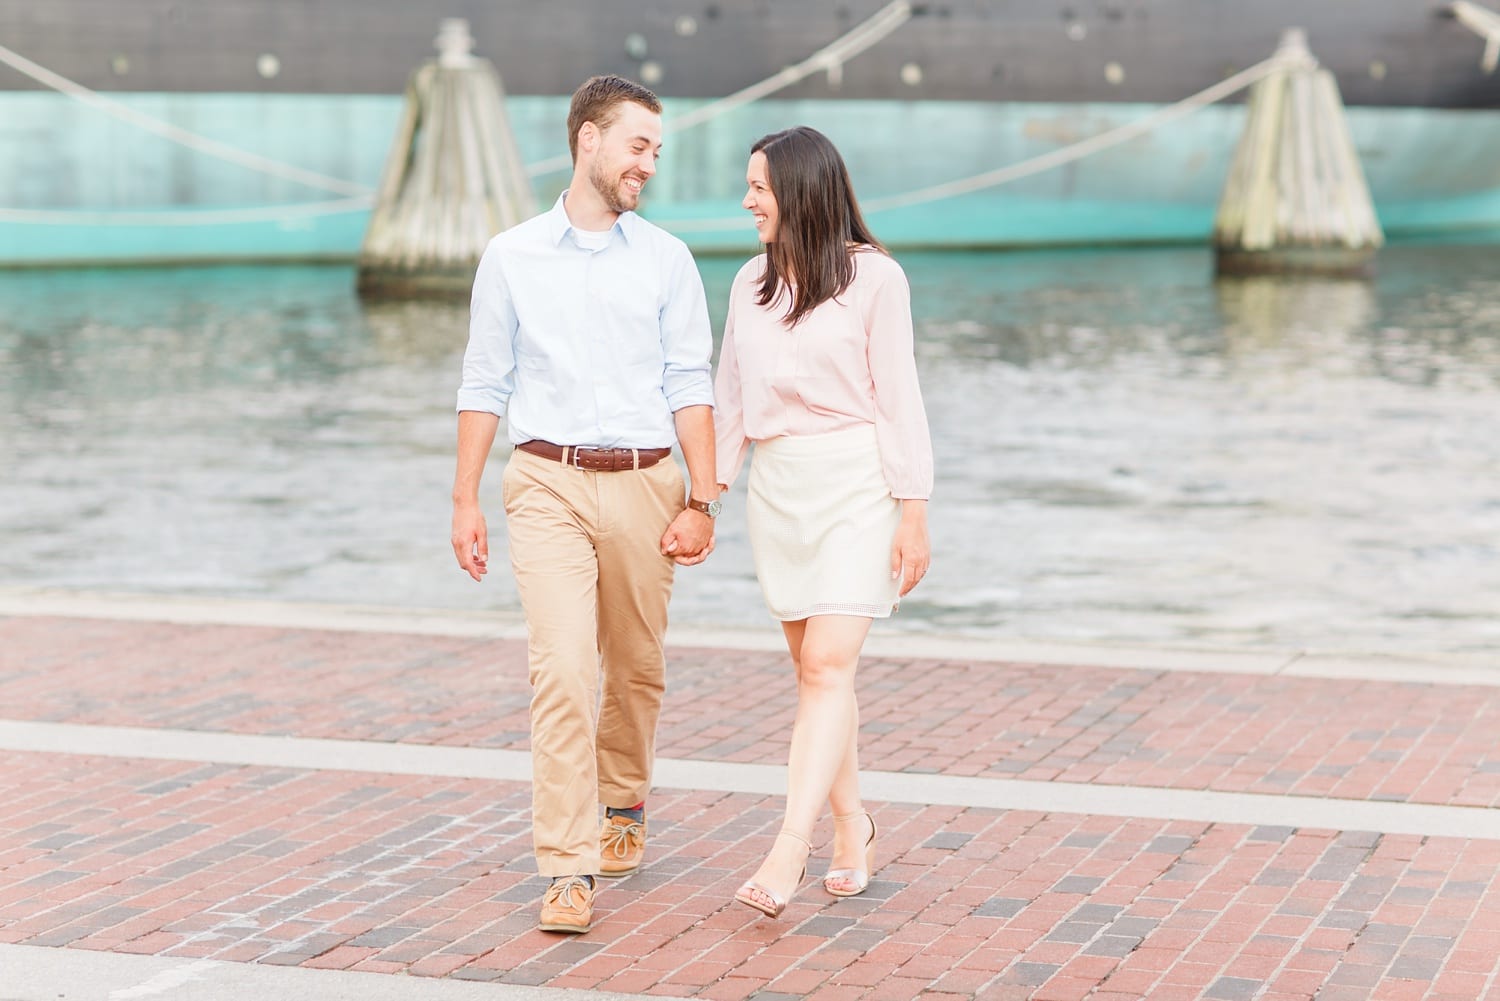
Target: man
(589,333)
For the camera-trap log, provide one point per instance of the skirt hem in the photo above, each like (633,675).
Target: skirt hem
(834,608)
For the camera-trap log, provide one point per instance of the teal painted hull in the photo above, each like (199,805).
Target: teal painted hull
(95,190)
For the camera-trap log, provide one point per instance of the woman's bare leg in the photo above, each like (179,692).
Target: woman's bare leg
(822,765)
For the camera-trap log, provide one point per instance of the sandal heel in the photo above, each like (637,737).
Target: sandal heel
(860,878)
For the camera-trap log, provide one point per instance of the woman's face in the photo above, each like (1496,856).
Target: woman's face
(760,199)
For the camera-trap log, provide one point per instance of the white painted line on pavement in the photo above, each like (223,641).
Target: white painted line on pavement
(763,780)
(1436,669)
(35,973)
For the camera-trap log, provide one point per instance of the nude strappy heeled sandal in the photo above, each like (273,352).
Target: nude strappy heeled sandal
(778,903)
(859,877)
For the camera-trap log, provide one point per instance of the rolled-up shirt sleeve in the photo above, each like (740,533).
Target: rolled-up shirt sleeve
(900,417)
(687,340)
(490,359)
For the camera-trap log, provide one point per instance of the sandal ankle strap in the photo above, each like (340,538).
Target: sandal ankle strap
(794,834)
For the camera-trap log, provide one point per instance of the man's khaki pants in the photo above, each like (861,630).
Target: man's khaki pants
(586,551)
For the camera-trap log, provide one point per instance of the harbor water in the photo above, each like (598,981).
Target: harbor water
(1128,450)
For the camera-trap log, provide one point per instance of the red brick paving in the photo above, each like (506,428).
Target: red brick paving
(432,876)
(1232,733)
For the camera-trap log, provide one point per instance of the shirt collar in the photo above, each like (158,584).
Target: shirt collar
(558,223)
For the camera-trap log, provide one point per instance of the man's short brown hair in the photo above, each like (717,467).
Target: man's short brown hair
(599,100)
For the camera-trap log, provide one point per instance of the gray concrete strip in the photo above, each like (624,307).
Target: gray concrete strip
(1258,809)
(311,753)
(34,973)
(1436,669)
(240,612)
(1484,672)
(764,780)
(1097,799)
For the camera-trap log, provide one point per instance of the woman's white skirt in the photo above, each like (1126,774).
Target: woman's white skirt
(822,520)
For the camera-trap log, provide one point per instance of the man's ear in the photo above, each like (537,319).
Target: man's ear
(588,137)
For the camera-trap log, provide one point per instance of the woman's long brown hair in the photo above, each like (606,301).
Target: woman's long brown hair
(818,219)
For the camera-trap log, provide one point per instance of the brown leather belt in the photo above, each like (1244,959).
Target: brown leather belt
(597,460)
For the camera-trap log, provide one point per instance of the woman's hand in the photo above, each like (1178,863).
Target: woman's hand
(911,553)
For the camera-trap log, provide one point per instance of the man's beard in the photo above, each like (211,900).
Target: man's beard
(613,192)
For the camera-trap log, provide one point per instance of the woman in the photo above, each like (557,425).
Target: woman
(817,370)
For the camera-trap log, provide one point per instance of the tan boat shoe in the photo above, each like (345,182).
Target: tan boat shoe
(622,845)
(568,905)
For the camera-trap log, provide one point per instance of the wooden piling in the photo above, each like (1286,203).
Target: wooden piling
(1296,200)
(452,179)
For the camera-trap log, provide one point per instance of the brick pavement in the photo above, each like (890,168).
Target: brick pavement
(1235,733)
(432,876)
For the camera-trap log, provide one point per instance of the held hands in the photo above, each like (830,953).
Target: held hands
(471,542)
(689,539)
(910,551)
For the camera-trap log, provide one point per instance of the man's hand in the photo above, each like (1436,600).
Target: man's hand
(471,540)
(689,539)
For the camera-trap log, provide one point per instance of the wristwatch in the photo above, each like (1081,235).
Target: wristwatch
(710,508)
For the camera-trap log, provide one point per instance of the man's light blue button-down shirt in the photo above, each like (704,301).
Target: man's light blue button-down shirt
(587,347)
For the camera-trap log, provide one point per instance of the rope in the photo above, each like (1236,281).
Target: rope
(830,57)
(1046,161)
(858,39)
(1483,22)
(1085,147)
(193,141)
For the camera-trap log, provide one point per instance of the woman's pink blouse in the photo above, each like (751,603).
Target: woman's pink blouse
(849,362)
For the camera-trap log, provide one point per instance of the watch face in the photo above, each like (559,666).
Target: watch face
(714,507)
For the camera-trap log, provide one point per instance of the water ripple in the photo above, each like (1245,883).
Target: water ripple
(1128,449)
